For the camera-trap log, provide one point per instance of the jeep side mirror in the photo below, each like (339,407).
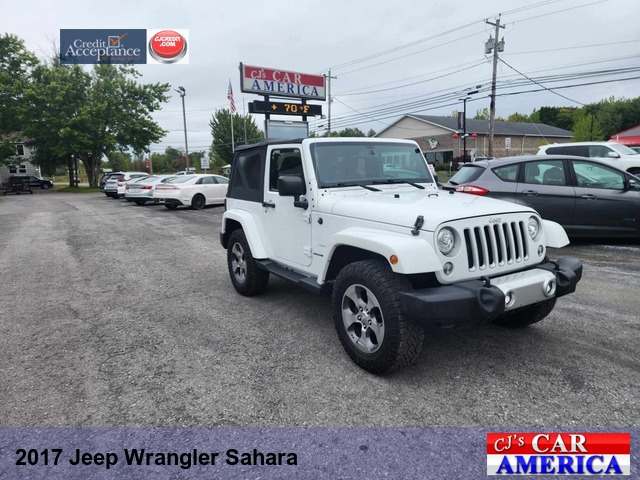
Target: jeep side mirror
(293,186)
(633,185)
(613,155)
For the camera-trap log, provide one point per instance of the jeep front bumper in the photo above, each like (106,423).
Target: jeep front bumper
(478,301)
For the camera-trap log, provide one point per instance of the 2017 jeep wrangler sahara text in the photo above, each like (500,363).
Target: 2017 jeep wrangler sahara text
(363,220)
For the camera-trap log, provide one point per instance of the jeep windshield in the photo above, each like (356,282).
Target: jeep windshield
(361,163)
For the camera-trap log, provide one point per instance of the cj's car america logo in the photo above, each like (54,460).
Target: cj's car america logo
(85,46)
(558,454)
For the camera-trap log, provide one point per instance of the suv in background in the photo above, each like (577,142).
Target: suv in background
(615,154)
(104,178)
(34,181)
(116,183)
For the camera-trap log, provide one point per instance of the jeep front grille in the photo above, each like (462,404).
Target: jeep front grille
(490,246)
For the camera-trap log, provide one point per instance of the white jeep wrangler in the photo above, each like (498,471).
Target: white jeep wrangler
(363,220)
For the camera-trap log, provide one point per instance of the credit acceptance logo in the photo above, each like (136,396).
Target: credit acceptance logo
(558,454)
(91,46)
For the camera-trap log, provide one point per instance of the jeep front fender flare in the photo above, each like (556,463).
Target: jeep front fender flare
(248,224)
(415,253)
(554,234)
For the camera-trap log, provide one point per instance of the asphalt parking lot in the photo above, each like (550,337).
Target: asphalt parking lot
(118,315)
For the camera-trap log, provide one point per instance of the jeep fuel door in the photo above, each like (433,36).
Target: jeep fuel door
(288,227)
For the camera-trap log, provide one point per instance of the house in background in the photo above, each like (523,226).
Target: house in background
(629,137)
(435,137)
(20,162)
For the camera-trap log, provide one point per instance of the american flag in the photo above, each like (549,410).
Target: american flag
(230,97)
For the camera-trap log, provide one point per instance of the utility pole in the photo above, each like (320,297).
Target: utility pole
(329,77)
(497,47)
(182,93)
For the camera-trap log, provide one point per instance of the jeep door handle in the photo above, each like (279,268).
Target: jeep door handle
(269,204)
(530,193)
(589,197)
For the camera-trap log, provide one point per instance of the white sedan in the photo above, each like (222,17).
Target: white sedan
(194,191)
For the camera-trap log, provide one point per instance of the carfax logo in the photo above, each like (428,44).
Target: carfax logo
(103,46)
(558,453)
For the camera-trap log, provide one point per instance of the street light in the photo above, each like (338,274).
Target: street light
(464,121)
(182,93)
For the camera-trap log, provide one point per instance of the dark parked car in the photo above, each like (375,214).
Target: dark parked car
(16,185)
(34,181)
(586,196)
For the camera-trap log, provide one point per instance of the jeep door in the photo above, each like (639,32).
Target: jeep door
(544,186)
(287,227)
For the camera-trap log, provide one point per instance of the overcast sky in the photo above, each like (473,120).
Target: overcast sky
(433,48)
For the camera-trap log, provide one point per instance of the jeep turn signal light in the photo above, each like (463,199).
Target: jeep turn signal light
(393,260)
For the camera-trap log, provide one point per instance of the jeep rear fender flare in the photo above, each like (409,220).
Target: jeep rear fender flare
(555,235)
(415,254)
(248,224)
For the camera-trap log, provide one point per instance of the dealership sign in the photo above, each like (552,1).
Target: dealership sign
(281,83)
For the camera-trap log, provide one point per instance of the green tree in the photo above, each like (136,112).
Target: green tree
(16,65)
(119,161)
(371,133)
(586,127)
(51,102)
(220,123)
(518,117)
(92,115)
(350,132)
(482,114)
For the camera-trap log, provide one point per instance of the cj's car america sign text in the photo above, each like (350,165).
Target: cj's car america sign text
(103,46)
(558,453)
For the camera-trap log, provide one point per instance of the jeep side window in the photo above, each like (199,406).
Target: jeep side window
(247,176)
(285,161)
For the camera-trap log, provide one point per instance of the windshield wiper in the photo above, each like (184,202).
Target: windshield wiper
(396,181)
(343,184)
(453,183)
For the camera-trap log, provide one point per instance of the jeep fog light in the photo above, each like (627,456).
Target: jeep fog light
(533,227)
(509,298)
(448,268)
(446,241)
(549,288)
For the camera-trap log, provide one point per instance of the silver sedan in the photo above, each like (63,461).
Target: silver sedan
(141,191)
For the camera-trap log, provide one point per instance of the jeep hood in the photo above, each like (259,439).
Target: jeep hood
(401,206)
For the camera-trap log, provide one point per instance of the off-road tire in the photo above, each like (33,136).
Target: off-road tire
(198,202)
(401,340)
(526,316)
(247,278)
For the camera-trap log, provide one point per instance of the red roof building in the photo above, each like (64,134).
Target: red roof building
(630,137)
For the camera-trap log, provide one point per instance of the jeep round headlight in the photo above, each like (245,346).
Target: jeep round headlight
(446,241)
(533,227)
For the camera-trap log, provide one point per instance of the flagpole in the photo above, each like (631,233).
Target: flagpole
(232,109)
(233,143)
(244,113)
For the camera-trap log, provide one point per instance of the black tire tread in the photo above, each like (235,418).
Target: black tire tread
(405,342)
(257,279)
